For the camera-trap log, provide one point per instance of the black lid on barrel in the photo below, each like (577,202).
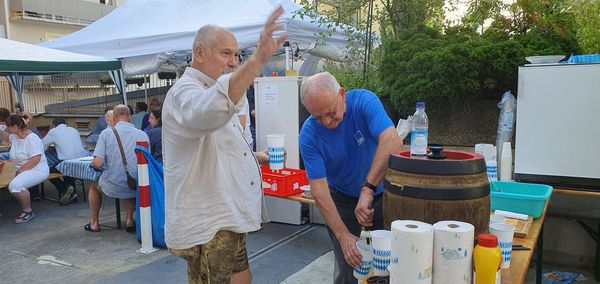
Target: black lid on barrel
(455,163)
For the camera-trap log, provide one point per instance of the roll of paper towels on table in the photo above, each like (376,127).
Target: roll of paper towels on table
(412,248)
(452,252)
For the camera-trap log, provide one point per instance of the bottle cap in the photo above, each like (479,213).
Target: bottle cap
(421,105)
(487,240)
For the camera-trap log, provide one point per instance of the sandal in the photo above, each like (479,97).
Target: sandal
(88,228)
(24,217)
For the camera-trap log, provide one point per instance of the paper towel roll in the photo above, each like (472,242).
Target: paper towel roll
(412,248)
(452,252)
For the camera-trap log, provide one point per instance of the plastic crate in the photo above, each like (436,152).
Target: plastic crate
(519,197)
(284,182)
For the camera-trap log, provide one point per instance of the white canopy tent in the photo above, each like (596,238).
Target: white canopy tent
(149,35)
(18,59)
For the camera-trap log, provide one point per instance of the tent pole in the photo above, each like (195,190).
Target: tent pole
(145,89)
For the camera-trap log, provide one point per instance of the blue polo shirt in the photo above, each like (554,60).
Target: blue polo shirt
(344,155)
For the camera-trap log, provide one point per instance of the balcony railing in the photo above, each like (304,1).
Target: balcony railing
(57,19)
(71,12)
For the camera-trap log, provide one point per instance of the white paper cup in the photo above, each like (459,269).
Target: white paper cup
(505,233)
(276,144)
(362,272)
(382,251)
(488,151)
(497,219)
(492,170)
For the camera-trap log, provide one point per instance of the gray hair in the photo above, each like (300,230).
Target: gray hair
(206,36)
(121,110)
(319,82)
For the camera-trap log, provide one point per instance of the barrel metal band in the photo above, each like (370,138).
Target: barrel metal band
(437,193)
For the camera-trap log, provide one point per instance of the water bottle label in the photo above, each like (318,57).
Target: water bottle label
(418,142)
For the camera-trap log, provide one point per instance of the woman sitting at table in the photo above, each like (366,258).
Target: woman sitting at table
(155,133)
(27,151)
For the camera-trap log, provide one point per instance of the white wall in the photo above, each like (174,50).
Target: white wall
(36,31)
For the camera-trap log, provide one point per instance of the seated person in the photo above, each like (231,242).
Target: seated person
(27,151)
(4,115)
(101,124)
(137,119)
(68,146)
(109,118)
(113,181)
(29,120)
(155,134)
(154,104)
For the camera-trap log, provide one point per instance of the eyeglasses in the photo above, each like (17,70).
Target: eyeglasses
(330,114)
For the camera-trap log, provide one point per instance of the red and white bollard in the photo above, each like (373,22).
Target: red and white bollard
(144,188)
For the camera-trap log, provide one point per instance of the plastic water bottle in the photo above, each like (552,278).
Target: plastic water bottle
(419,132)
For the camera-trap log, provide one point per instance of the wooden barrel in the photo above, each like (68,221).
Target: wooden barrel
(432,190)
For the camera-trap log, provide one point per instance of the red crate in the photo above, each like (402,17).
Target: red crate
(284,182)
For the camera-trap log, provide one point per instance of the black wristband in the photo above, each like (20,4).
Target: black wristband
(369,185)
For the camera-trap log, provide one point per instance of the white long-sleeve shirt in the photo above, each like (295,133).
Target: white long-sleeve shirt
(67,142)
(212,180)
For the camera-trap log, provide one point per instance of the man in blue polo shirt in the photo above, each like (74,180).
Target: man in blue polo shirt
(345,145)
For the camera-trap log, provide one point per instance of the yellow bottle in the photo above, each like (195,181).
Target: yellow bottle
(487,259)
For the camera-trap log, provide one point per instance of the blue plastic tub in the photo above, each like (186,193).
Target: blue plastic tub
(519,197)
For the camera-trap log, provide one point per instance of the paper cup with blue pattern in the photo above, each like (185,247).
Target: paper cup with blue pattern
(362,272)
(382,251)
(505,234)
(276,144)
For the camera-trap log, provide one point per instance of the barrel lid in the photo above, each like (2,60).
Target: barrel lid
(456,163)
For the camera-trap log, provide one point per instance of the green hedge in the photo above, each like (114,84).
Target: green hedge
(453,68)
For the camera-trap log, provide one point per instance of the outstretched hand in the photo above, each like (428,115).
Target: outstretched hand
(266,44)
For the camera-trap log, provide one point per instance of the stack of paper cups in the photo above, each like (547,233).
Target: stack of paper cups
(381,251)
(452,252)
(506,162)
(412,246)
(488,151)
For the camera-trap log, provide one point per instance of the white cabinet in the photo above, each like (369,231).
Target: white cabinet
(558,125)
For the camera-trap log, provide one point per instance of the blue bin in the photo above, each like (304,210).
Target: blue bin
(519,197)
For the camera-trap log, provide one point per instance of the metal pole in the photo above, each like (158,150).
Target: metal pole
(145,202)
(145,89)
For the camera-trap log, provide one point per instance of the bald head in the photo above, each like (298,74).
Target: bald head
(121,113)
(109,118)
(207,35)
(215,51)
(319,84)
(324,99)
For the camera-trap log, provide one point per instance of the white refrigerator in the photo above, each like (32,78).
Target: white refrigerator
(279,111)
(558,125)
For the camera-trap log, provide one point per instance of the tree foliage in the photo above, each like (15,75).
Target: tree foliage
(451,68)
(587,17)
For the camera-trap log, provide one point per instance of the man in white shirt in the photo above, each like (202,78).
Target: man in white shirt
(68,145)
(213,193)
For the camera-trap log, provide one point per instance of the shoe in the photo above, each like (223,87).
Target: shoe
(131,229)
(71,200)
(68,196)
(88,227)
(24,217)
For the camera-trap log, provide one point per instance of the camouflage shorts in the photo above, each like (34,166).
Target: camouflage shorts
(215,261)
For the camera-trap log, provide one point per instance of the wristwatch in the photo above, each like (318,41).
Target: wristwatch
(369,185)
